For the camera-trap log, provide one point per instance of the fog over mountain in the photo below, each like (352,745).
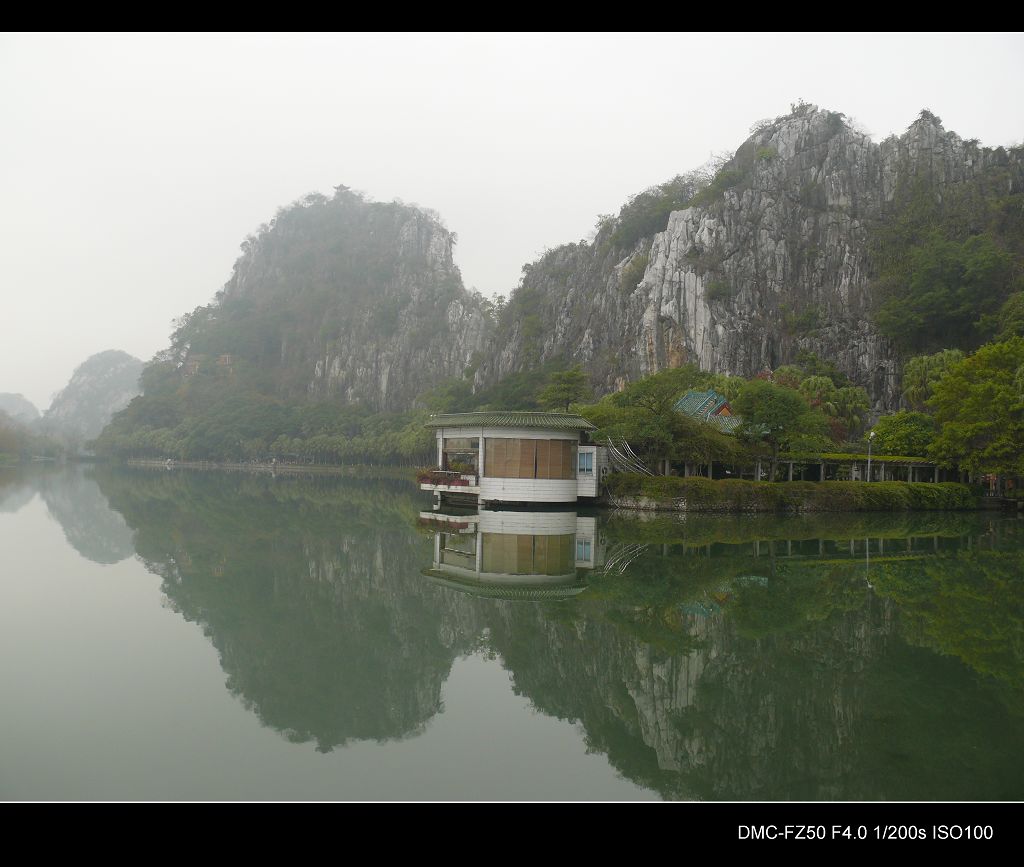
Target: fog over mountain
(129,176)
(19,408)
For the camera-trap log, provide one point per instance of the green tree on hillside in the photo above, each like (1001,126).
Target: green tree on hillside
(812,365)
(945,288)
(565,387)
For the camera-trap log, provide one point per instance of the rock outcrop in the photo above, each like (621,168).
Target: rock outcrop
(353,301)
(774,257)
(376,309)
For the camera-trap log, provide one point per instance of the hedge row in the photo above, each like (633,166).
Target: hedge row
(697,494)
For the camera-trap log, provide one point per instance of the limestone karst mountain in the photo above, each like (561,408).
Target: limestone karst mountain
(100,386)
(812,241)
(778,253)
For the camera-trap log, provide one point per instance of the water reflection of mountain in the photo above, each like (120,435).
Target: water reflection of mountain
(719,659)
(310,591)
(15,490)
(74,500)
(91,527)
(791,668)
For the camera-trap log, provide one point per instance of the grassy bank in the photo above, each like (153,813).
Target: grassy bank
(734,495)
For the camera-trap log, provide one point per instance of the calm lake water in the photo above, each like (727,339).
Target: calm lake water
(177,635)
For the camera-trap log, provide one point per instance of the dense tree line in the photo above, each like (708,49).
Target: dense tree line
(791,409)
(19,443)
(210,416)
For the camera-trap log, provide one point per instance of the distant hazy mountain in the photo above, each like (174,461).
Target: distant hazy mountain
(98,388)
(19,408)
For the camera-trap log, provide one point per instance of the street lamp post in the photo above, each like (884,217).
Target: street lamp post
(871,439)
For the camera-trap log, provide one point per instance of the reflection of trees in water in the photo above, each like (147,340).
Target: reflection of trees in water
(706,669)
(968,605)
(310,591)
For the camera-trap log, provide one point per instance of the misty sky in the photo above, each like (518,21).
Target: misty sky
(131,167)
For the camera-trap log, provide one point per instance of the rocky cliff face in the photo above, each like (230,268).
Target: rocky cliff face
(99,387)
(374,306)
(773,258)
(354,301)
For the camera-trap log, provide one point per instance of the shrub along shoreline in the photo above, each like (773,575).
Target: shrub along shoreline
(696,494)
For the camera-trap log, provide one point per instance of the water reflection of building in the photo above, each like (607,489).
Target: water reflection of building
(515,555)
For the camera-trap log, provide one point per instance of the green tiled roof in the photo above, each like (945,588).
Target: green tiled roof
(547,420)
(725,423)
(701,404)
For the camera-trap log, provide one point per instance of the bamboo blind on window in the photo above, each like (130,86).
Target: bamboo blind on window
(529,459)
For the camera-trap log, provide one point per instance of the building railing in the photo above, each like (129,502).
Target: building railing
(445,477)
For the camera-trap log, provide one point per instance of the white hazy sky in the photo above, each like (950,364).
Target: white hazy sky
(132,166)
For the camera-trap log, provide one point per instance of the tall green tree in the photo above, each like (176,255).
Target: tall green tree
(1009,322)
(905,433)
(852,405)
(979,403)
(812,365)
(789,375)
(820,393)
(779,416)
(565,387)
(922,372)
(658,393)
(644,415)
